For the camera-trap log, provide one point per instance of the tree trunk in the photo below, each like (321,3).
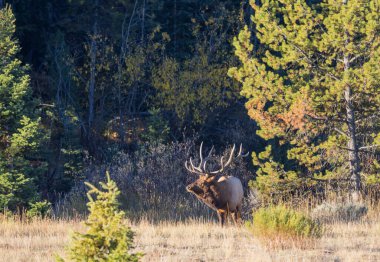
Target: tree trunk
(92,83)
(353,151)
(91,88)
(352,143)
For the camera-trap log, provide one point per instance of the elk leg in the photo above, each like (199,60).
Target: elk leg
(238,214)
(234,217)
(222,216)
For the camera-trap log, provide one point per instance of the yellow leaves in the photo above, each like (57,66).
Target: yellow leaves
(371,179)
(164,76)
(193,88)
(165,36)
(242,44)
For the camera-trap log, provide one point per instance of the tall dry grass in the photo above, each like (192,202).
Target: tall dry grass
(194,240)
(36,240)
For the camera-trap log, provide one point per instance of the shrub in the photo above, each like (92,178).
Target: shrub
(347,212)
(108,238)
(152,182)
(39,210)
(281,224)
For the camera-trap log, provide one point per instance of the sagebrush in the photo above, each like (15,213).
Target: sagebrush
(283,224)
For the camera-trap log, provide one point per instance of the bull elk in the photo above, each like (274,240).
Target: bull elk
(222,193)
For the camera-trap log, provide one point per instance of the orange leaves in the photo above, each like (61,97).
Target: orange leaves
(269,127)
(276,124)
(294,117)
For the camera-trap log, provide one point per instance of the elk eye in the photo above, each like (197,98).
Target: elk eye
(197,190)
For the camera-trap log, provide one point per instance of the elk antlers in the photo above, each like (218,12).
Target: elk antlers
(198,169)
(201,168)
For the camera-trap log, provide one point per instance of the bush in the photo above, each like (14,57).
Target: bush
(281,224)
(347,212)
(152,182)
(39,210)
(108,238)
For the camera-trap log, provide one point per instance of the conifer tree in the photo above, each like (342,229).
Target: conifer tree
(20,134)
(313,84)
(108,238)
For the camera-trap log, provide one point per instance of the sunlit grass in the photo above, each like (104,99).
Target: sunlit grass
(194,240)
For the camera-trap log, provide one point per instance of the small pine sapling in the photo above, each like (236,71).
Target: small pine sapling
(108,238)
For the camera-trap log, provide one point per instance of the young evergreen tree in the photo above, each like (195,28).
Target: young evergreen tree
(20,134)
(313,84)
(108,238)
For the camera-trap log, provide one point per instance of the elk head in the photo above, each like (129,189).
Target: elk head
(222,193)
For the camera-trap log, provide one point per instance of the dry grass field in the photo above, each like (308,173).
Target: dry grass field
(194,241)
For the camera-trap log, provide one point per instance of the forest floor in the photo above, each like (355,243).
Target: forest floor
(194,241)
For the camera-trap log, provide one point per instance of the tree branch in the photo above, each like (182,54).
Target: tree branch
(341,132)
(360,150)
(368,147)
(327,119)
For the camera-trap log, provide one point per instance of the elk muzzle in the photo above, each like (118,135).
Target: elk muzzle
(194,188)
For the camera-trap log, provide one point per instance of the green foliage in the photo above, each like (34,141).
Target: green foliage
(39,209)
(195,87)
(280,221)
(313,64)
(157,130)
(25,138)
(273,181)
(20,131)
(114,63)
(16,191)
(107,238)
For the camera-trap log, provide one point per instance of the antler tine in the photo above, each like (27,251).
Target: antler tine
(204,165)
(200,151)
(228,161)
(201,157)
(187,166)
(209,153)
(222,167)
(191,170)
(194,167)
(231,156)
(199,167)
(240,151)
(207,158)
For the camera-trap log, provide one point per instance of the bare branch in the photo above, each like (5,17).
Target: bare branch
(368,147)
(340,132)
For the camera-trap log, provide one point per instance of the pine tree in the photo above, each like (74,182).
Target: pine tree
(313,84)
(20,133)
(108,238)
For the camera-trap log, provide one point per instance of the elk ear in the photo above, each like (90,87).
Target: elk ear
(210,179)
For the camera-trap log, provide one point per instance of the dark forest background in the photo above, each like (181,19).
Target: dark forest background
(135,86)
(111,77)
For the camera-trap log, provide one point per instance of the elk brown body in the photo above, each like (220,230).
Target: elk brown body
(222,193)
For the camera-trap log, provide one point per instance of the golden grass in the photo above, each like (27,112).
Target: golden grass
(194,241)
(34,241)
